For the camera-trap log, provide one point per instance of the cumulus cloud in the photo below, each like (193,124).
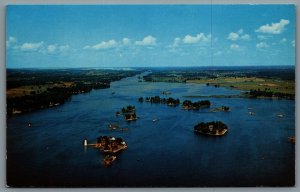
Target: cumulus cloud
(239,35)
(293,43)
(51,48)
(241,31)
(234,47)
(103,45)
(147,41)
(63,48)
(262,45)
(201,37)
(32,46)
(176,42)
(233,36)
(39,47)
(283,40)
(126,41)
(11,42)
(274,28)
(246,37)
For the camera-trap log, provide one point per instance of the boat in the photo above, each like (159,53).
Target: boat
(108,160)
(154,120)
(124,129)
(113,126)
(251,113)
(280,115)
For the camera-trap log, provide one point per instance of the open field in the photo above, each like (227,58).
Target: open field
(263,79)
(36,89)
(250,83)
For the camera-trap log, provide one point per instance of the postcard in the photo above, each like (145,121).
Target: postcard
(150,95)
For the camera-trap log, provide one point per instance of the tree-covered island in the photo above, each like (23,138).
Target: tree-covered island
(129,113)
(189,105)
(214,128)
(157,99)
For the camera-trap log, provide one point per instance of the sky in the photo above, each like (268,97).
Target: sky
(65,36)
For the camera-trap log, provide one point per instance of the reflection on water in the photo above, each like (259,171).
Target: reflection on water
(166,152)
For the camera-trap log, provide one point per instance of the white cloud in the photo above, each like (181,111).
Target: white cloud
(176,42)
(293,43)
(239,35)
(126,41)
(32,46)
(241,31)
(274,28)
(147,41)
(284,40)
(262,45)
(11,42)
(245,37)
(188,39)
(51,48)
(234,47)
(64,48)
(233,36)
(103,45)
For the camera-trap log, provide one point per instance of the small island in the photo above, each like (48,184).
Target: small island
(156,99)
(189,105)
(213,128)
(129,113)
(110,144)
(108,160)
(222,108)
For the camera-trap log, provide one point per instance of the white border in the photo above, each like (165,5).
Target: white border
(3,3)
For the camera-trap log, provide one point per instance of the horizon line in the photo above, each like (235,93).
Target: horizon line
(127,67)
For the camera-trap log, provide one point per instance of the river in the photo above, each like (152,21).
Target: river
(166,152)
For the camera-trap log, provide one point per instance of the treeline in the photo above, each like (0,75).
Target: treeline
(50,98)
(210,127)
(156,99)
(283,73)
(188,104)
(80,80)
(269,94)
(18,78)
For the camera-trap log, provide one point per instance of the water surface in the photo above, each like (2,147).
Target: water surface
(255,151)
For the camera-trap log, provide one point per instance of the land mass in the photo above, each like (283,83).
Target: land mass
(29,90)
(256,82)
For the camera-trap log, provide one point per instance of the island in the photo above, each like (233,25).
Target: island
(222,108)
(213,128)
(189,105)
(157,99)
(129,113)
(110,146)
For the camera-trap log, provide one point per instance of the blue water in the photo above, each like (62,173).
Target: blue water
(255,151)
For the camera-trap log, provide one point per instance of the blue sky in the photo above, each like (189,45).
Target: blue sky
(149,36)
